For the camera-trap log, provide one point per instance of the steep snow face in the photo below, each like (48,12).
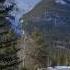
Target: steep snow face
(20,8)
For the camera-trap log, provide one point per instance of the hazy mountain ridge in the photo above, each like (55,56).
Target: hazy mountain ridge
(44,4)
(58,13)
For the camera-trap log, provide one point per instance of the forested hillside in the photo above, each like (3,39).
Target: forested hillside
(52,20)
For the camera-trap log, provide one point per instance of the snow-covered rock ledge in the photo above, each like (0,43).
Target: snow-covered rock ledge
(56,68)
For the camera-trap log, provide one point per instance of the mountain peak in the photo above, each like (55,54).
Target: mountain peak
(60,6)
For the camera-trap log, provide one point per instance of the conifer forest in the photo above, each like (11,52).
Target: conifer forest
(34,34)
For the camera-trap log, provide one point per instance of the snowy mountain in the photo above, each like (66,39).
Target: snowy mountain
(50,15)
(59,5)
(60,1)
(63,2)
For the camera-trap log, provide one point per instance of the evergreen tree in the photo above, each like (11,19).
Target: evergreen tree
(8,42)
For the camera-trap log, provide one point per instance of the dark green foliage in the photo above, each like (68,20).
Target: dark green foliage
(2,1)
(62,59)
(37,49)
(24,68)
(8,43)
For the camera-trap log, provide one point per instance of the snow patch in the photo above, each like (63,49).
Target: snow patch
(59,68)
(61,2)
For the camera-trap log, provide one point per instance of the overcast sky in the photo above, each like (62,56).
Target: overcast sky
(27,5)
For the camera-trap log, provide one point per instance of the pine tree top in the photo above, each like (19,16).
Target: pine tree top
(2,1)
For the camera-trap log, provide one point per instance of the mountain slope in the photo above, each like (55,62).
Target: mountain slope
(45,4)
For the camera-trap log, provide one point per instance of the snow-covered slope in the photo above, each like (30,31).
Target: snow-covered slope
(63,1)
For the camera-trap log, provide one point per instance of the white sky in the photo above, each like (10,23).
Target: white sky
(26,5)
